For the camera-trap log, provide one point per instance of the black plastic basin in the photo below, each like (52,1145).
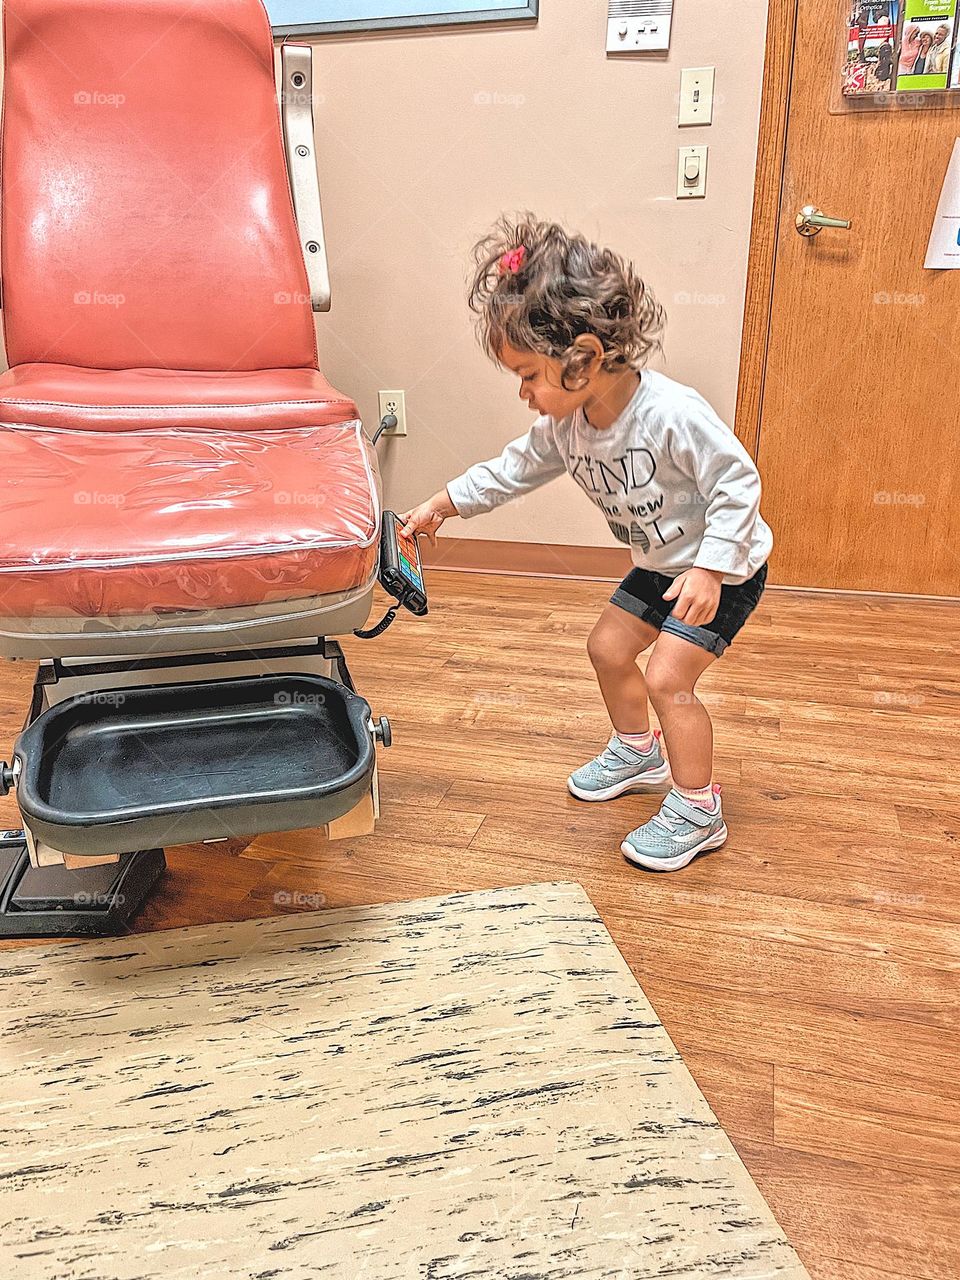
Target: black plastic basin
(126,769)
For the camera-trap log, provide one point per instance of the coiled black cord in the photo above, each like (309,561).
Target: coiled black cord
(387,423)
(380,628)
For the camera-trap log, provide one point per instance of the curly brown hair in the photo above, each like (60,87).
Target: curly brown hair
(559,287)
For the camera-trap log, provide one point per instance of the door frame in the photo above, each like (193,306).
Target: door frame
(765,224)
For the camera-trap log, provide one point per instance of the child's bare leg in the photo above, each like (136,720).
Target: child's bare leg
(674,668)
(691,819)
(614,645)
(632,762)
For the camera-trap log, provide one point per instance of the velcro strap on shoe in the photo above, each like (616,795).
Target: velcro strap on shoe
(682,808)
(623,751)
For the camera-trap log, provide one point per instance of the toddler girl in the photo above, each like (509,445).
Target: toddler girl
(575,324)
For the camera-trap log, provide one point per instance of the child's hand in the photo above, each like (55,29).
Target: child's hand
(429,516)
(697,593)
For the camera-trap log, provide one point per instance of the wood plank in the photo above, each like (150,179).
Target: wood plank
(739,1089)
(795,1033)
(874,1123)
(723,961)
(844,1269)
(844,1214)
(453,829)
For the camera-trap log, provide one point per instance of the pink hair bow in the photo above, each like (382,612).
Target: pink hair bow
(512,261)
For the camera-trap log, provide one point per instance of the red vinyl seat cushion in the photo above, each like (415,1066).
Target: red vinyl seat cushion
(139,521)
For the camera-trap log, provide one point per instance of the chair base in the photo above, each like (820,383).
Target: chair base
(205,631)
(54,902)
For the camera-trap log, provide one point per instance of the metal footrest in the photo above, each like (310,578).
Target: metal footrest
(98,901)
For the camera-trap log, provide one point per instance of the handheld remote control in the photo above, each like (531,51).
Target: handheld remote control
(401,570)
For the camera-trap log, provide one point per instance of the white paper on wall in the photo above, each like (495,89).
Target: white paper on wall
(944,247)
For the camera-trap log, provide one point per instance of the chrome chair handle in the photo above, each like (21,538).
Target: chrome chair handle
(296,63)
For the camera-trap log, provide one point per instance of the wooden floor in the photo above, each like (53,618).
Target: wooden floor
(809,972)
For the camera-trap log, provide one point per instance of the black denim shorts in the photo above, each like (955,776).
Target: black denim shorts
(641,593)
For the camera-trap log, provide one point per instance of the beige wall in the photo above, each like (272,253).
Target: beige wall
(424,139)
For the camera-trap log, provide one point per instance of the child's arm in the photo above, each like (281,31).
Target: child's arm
(524,465)
(706,450)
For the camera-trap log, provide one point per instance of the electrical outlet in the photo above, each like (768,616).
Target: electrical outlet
(393,402)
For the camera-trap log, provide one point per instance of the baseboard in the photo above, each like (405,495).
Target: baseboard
(527,559)
(590,564)
(869,595)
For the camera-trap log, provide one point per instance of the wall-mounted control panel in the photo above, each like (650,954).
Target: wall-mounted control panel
(638,26)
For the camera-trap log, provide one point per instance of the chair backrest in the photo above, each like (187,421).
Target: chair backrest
(146,214)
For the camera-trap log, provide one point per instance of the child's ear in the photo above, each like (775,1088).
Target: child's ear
(582,360)
(592,352)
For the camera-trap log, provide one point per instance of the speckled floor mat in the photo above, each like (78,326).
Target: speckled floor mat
(472,1086)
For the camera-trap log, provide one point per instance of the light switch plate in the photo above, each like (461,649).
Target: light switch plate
(638,26)
(696,158)
(696,95)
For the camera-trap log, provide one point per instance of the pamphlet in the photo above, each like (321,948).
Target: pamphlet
(926,44)
(871,45)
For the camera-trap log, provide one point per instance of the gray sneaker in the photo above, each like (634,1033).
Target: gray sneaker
(619,768)
(675,835)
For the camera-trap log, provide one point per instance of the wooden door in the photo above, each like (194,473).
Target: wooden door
(859,423)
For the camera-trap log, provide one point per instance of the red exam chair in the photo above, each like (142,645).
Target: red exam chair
(188,509)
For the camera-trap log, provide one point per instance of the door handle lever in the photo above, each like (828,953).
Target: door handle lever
(811,221)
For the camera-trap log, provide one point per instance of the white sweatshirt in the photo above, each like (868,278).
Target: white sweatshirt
(674,482)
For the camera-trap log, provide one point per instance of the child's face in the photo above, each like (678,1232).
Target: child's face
(540,382)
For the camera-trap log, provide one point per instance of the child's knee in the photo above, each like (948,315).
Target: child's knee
(608,651)
(667,684)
